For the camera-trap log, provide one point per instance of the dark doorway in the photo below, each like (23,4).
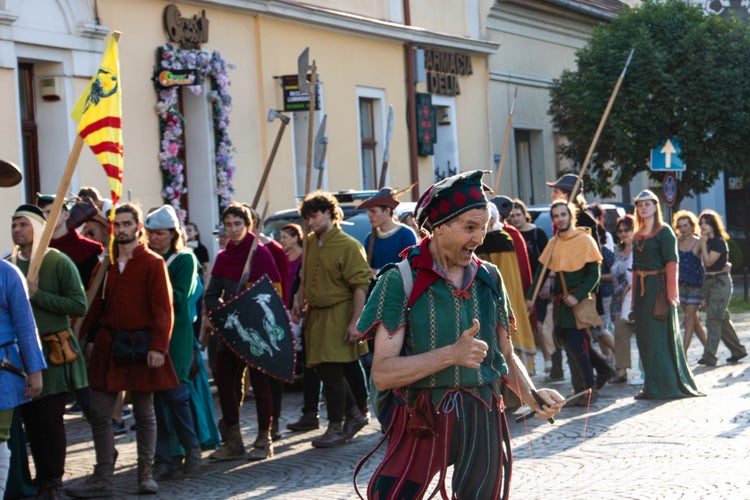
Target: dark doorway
(28,130)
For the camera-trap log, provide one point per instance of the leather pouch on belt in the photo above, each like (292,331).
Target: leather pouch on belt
(422,423)
(61,350)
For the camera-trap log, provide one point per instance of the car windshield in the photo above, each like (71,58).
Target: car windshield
(355,223)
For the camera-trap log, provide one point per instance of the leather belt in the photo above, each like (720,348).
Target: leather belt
(642,275)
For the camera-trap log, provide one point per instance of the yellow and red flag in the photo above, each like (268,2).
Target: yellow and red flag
(99,116)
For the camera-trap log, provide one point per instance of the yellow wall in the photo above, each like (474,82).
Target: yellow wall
(366,8)
(343,63)
(445,16)
(472,112)
(142,24)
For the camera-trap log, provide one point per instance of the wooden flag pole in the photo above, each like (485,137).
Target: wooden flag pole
(586,161)
(505,142)
(62,189)
(49,227)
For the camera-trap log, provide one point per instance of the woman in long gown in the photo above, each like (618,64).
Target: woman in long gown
(666,373)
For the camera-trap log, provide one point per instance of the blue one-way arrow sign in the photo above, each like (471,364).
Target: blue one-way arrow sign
(666,158)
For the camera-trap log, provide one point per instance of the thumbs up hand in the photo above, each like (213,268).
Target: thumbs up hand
(470,351)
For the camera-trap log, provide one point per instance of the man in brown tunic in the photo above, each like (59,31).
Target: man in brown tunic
(136,296)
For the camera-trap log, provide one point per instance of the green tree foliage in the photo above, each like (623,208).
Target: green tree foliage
(689,79)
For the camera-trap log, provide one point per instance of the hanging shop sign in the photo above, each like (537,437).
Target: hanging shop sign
(426,125)
(294,98)
(442,69)
(165,78)
(188,33)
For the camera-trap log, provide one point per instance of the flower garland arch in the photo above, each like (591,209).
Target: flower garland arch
(171,123)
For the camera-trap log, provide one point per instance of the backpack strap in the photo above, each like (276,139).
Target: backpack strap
(404,267)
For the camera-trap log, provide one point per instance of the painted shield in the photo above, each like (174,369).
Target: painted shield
(255,326)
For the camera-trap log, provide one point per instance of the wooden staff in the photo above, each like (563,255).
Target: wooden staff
(272,115)
(310,128)
(505,142)
(586,161)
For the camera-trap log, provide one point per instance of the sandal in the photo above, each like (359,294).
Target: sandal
(642,395)
(619,379)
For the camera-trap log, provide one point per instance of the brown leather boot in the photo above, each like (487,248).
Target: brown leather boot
(262,447)
(354,422)
(99,484)
(233,448)
(193,461)
(333,436)
(146,483)
(307,422)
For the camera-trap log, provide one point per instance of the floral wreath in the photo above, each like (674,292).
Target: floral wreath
(171,123)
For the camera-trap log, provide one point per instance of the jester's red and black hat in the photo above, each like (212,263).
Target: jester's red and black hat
(449,198)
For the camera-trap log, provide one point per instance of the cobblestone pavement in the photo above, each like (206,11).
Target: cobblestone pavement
(619,448)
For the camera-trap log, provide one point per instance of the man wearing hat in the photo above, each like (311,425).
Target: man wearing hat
(135,301)
(82,251)
(56,295)
(389,237)
(456,325)
(172,406)
(562,189)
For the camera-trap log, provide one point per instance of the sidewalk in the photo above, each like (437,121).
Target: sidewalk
(620,448)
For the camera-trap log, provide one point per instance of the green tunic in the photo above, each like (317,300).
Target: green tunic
(666,372)
(60,296)
(335,265)
(183,273)
(438,318)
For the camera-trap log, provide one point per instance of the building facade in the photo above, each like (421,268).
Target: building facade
(202,144)
(538,40)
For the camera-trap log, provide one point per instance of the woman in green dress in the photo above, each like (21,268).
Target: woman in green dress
(655,301)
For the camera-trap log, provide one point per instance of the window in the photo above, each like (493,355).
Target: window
(367,143)
(371,119)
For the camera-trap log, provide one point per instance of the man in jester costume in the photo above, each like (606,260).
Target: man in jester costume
(442,350)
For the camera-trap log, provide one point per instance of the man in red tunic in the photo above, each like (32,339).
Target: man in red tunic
(136,297)
(84,252)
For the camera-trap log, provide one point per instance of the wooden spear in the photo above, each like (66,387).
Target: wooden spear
(505,142)
(586,161)
(311,127)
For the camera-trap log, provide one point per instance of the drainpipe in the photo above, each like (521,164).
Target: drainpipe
(411,112)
